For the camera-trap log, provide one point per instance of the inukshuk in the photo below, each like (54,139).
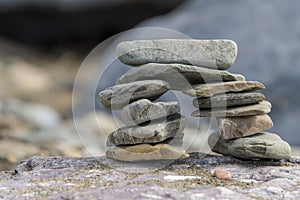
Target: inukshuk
(198,68)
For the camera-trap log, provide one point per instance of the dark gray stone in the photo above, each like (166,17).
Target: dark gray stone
(144,110)
(118,96)
(179,76)
(261,108)
(211,89)
(156,131)
(215,54)
(258,146)
(228,100)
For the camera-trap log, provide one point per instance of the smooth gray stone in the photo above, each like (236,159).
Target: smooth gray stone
(155,132)
(146,152)
(179,76)
(214,54)
(144,110)
(261,108)
(259,146)
(211,89)
(118,96)
(228,100)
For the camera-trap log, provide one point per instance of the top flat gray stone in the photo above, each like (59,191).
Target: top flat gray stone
(214,54)
(179,76)
(211,89)
(144,110)
(118,96)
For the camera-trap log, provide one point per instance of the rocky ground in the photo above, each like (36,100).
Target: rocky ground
(190,178)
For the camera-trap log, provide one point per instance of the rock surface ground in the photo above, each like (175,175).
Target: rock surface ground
(190,178)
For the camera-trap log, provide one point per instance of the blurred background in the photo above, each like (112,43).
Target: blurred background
(43,43)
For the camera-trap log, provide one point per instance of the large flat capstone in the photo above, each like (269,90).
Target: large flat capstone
(215,54)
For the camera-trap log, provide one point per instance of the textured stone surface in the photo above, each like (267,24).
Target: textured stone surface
(144,152)
(156,131)
(144,110)
(189,178)
(235,127)
(228,100)
(118,96)
(263,107)
(179,76)
(211,89)
(259,146)
(216,54)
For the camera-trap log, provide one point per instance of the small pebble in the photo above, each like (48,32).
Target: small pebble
(222,174)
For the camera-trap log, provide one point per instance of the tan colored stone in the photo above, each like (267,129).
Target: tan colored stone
(222,174)
(211,89)
(146,152)
(261,108)
(236,127)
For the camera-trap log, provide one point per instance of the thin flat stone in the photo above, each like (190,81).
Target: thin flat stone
(259,146)
(236,127)
(146,152)
(228,100)
(156,131)
(144,110)
(179,76)
(214,54)
(118,96)
(261,108)
(211,89)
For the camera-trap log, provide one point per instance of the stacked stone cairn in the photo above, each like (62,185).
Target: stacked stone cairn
(198,68)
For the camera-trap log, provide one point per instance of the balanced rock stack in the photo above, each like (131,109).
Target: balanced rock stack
(154,130)
(242,115)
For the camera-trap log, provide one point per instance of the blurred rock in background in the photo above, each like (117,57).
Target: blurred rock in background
(53,23)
